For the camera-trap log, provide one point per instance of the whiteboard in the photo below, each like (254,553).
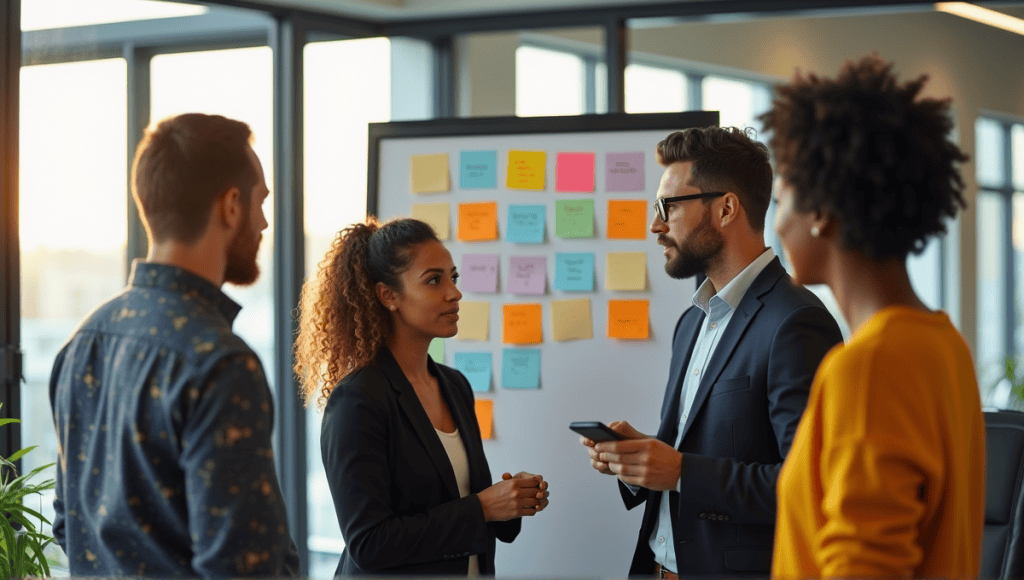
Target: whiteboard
(585,531)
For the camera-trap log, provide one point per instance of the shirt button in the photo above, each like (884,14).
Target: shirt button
(696,372)
(685,415)
(713,325)
(661,539)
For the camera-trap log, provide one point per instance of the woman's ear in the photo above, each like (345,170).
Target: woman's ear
(385,295)
(823,224)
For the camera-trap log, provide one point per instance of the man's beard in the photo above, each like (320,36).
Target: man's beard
(698,252)
(242,268)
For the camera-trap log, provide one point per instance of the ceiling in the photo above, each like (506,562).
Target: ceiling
(390,10)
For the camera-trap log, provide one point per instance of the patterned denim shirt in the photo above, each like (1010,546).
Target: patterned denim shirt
(164,420)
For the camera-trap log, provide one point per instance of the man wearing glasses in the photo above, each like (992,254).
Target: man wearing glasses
(743,359)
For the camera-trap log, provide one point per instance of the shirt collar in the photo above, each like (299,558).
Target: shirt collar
(168,277)
(734,291)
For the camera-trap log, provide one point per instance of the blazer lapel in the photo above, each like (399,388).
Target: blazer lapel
(465,419)
(417,415)
(738,324)
(670,407)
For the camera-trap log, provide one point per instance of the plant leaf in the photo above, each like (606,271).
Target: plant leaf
(8,421)
(20,453)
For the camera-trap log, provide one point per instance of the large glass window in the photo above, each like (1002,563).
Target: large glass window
(337,113)
(73,222)
(549,82)
(236,83)
(651,89)
(1000,258)
(44,14)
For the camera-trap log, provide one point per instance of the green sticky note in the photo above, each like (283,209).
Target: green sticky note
(574,218)
(436,350)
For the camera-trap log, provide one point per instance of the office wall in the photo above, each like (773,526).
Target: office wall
(977,65)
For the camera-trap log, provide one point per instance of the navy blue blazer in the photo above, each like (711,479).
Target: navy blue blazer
(740,428)
(392,482)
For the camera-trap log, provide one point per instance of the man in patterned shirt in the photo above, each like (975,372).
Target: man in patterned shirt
(163,414)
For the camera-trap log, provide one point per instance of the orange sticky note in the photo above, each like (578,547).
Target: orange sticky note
(627,219)
(478,221)
(485,417)
(628,319)
(521,324)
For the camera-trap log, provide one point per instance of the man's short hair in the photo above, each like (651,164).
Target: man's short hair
(724,159)
(182,166)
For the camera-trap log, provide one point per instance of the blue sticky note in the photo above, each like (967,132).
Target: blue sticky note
(525,224)
(478,169)
(574,272)
(477,368)
(520,368)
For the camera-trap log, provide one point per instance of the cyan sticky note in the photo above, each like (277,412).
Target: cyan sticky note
(574,271)
(477,368)
(520,368)
(525,224)
(478,169)
(436,350)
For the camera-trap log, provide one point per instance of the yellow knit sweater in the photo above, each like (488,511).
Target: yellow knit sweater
(886,476)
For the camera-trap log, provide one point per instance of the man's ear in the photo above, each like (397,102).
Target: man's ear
(229,208)
(729,210)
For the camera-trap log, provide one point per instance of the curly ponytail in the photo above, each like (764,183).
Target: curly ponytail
(341,324)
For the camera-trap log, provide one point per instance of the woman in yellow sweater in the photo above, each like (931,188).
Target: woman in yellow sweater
(886,473)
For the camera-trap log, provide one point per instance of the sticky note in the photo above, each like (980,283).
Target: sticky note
(479,272)
(521,324)
(627,219)
(430,173)
(477,368)
(478,221)
(624,172)
(626,271)
(435,214)
(525,224)
(527,274)
(474,320)
(520,368)
(574,272)
(570,319)
(628,319)
(526,170)
(574,218)
(478,169)
(485,418)
(436,350)
(574,172)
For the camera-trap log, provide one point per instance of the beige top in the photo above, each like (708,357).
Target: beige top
(460,465)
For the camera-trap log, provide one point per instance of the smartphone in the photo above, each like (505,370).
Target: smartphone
(596,431)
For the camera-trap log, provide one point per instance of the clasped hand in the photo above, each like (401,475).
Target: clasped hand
(638,460)
(522,494)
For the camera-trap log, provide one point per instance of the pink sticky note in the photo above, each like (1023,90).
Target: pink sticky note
(479,272)
(527,274)
(575,172)
(624,172)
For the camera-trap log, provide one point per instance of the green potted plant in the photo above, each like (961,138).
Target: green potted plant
(21,550)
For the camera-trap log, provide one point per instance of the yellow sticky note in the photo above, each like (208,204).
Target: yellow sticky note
(435,214)
(521,324)
(474,320)
(526,170)
(626,271)
(570,319)
(628,319)
(429,173)
(478,221)
(485,417)
(627,219)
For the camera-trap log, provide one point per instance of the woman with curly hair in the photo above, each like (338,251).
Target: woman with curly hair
(886,473)
(400,440)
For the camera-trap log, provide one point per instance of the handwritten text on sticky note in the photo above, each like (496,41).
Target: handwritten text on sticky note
(628,319)
(477,368)
(627,219)
(574,271)
(527,274)
(525,224)
(478,221)
(521,324)
(478,169)
(526,170)
(624,172)
(574,218)
(479,272)
(520,368)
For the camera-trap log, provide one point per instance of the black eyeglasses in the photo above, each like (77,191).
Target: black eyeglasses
(661,204)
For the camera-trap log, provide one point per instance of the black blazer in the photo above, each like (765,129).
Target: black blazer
(740,428)
(392,482)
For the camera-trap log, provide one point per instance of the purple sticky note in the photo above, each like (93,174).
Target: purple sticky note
(624,172)
(479,272)
(527,274)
